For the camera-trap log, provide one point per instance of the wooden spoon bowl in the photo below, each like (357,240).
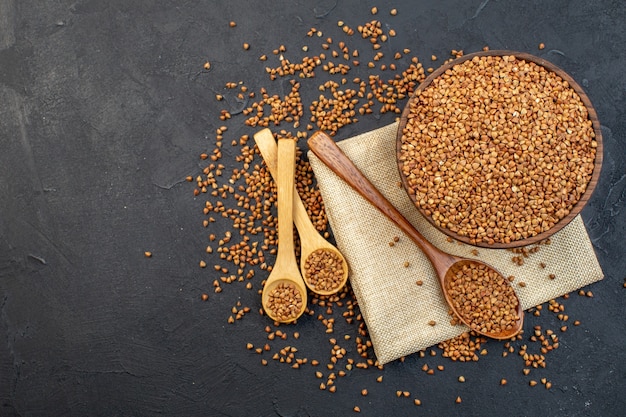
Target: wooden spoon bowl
(575,209)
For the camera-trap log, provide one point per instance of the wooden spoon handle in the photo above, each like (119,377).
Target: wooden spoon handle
(267,145)
(329,153)
(285,184)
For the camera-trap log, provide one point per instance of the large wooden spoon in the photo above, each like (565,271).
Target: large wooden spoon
(449,268)
(284,296)
(310,239)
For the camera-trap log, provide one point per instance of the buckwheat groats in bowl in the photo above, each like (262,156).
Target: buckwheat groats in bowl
(499,149)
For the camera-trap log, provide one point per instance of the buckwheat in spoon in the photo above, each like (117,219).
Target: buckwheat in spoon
(284,295)
(479,295)
(323,267)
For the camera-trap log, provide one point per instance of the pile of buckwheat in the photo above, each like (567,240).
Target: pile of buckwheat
(497,149)
(324,270)
(285,302)
(483,298)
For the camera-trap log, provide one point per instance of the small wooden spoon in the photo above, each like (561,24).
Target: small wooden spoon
(444,263)
(310,239)
(285,271)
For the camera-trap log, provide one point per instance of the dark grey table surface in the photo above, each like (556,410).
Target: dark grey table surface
(105,108)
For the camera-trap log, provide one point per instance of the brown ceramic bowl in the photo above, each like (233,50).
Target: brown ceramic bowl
(576,208)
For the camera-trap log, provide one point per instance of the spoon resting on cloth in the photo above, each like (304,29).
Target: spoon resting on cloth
(479,295)
(284,296)
(330,273)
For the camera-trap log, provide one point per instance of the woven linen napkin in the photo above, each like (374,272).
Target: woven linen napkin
(396,310)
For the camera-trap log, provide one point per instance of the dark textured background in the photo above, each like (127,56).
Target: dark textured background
(104,109)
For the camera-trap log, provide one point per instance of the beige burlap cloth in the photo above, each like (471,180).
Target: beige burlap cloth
(396,311)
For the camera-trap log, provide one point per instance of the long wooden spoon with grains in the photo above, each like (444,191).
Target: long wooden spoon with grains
(323,267)
(284,296)
(479,295)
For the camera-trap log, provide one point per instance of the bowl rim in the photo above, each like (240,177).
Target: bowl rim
(591,185)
